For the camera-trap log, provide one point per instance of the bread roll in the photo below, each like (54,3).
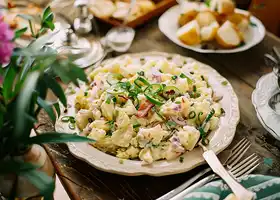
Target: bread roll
(189,33)
(223,6)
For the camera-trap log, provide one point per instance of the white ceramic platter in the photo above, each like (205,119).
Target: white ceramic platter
(168,25)
(267,87)
(219,139)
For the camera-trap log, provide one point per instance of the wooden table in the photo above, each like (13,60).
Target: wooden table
(242,70)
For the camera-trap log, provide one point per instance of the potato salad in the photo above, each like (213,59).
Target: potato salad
(147,109)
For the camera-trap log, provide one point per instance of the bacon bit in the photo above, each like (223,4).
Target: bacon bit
(124,97)
(144,108)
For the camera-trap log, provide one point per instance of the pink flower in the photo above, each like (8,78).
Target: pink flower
(6,45)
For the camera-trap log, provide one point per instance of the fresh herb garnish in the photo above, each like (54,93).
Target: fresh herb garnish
(223,111)
(121,161)
(241,44)
(185,62)
(253,24)
(108,100)
(224,83)
(114,99)
(174,77)
(181,159)
(201,128)
(141,73)
(192,115)
(207,3)
(136,125)
(192,73)
(171,123)
(169,58)
(202,78)
(177,102)
(188,79)
(194,88)
(199,115)
(85,94)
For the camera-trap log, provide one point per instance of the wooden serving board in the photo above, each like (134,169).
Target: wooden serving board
(161,6)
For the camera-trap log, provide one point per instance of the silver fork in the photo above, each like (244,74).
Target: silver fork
(229,157)
(243,168)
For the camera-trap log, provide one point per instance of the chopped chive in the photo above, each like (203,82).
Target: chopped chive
(194,88)
(174,77)
(108,100)
(192,115)
(177,102)
(181,159)
(202,77)
(65,119)
(191,72)
(141,73)
(160,70)
(223,111)
(169,58)
(224,83)
(171,123)
(198,116)
(121,161)
(136,125)
(85,94)
(253,24)
(185,62)
(114,99)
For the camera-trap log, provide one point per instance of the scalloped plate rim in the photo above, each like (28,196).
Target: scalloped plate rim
(118,168)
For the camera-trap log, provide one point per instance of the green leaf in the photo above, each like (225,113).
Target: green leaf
(23,102)
(57,108)
(19,33)
(46,13)
(26,66)
(15,166)
(44,183)
(47,107)
(1,119)
(9,78)
(49,24)
(38,44)
(57,138)
(56,88)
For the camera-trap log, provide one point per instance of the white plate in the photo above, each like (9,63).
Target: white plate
(168,25)
(219,139)
(267,87)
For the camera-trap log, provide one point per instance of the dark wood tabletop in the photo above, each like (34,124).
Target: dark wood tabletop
(243,70)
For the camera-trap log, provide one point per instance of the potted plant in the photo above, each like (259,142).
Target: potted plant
(26,74)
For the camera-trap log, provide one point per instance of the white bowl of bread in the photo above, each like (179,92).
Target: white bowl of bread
(215,26)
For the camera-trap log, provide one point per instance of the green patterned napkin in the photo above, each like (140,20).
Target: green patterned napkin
(265,188)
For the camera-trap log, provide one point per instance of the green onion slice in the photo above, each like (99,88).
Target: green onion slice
(190,81)
(171,92)
(192,115)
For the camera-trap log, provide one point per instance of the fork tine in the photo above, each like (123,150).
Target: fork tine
(250,170)
(238,144)
(239,153)
(243,162)
(240,173)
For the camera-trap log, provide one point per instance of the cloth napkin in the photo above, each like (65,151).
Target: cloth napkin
(265,188)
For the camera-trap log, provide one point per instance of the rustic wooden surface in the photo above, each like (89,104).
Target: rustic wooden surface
(241,69)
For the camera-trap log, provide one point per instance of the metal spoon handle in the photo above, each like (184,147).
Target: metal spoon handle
(131,6)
